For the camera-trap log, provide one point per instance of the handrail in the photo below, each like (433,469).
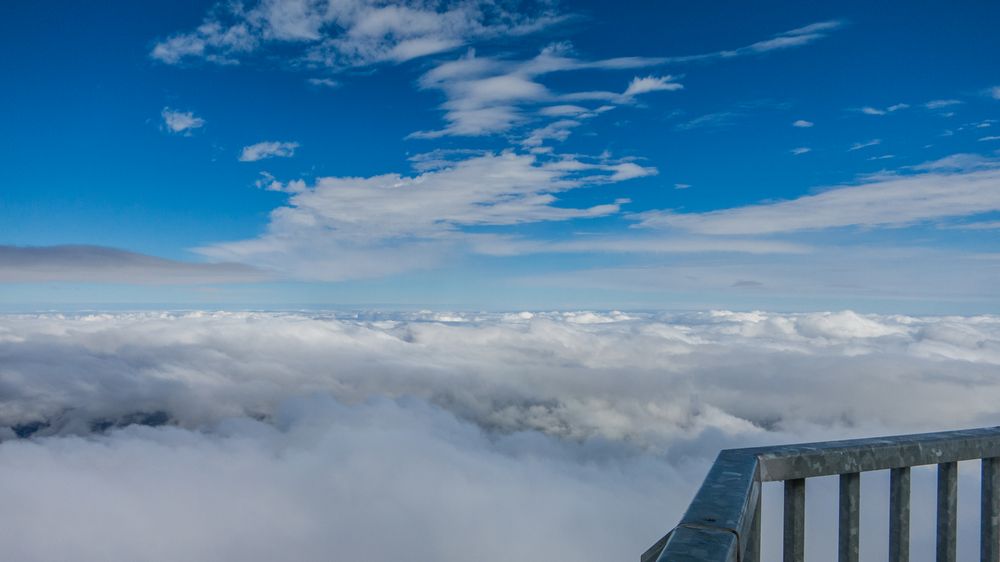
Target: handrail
(722,524)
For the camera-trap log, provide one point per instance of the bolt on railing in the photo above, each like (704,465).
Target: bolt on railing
(722,524)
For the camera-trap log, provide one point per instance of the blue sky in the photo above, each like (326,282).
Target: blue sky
(785,155)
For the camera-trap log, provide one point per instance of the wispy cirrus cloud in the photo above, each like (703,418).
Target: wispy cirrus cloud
(893,200)
(488,95)
(939,104)
(865,144)
(268,149)
(869,110)
(797,37)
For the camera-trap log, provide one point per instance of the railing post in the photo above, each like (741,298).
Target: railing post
(899,514)
(947,511)
(989,543)
(795,518)
(850,498)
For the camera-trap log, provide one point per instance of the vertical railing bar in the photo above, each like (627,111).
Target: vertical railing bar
(753,550)
(899,514)
(989,544)
(947,512)
(849,522)
(794,539)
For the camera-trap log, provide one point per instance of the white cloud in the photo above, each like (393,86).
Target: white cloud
(651,84)
(682,185)
(801,150)
(268,149)
(995,92)
(793,38)
(887,200)
(866,144)
(802,123)
(882,157)
(342,228)
(324,82)
(869,110)
(990,138)
(546,372)
(487,95)
(182,122)
(938,104)
(346,33)
(718,119)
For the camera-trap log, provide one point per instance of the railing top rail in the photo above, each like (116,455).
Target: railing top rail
(808,460)
(716,526)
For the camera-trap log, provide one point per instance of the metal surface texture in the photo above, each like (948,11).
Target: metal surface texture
(722,524)
(989,544)
(850,517)
(899,515)
(947,512)
(794,538)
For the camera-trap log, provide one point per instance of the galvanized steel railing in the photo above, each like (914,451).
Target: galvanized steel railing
(722,524)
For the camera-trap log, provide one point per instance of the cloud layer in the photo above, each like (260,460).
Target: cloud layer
(434,434)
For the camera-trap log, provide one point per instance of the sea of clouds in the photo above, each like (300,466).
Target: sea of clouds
(434,436)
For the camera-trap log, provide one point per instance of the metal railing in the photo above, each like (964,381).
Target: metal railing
(722,524)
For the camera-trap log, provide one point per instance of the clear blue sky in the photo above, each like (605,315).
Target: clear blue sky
(786,155)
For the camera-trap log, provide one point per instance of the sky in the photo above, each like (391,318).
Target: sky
(787,156)
(416,279)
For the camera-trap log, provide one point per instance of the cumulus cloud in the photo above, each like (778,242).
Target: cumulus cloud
(81,263)
(268,149)
(342,228)
(341,34)
(182,122)
(276,435)
(802,123)
(888,200)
